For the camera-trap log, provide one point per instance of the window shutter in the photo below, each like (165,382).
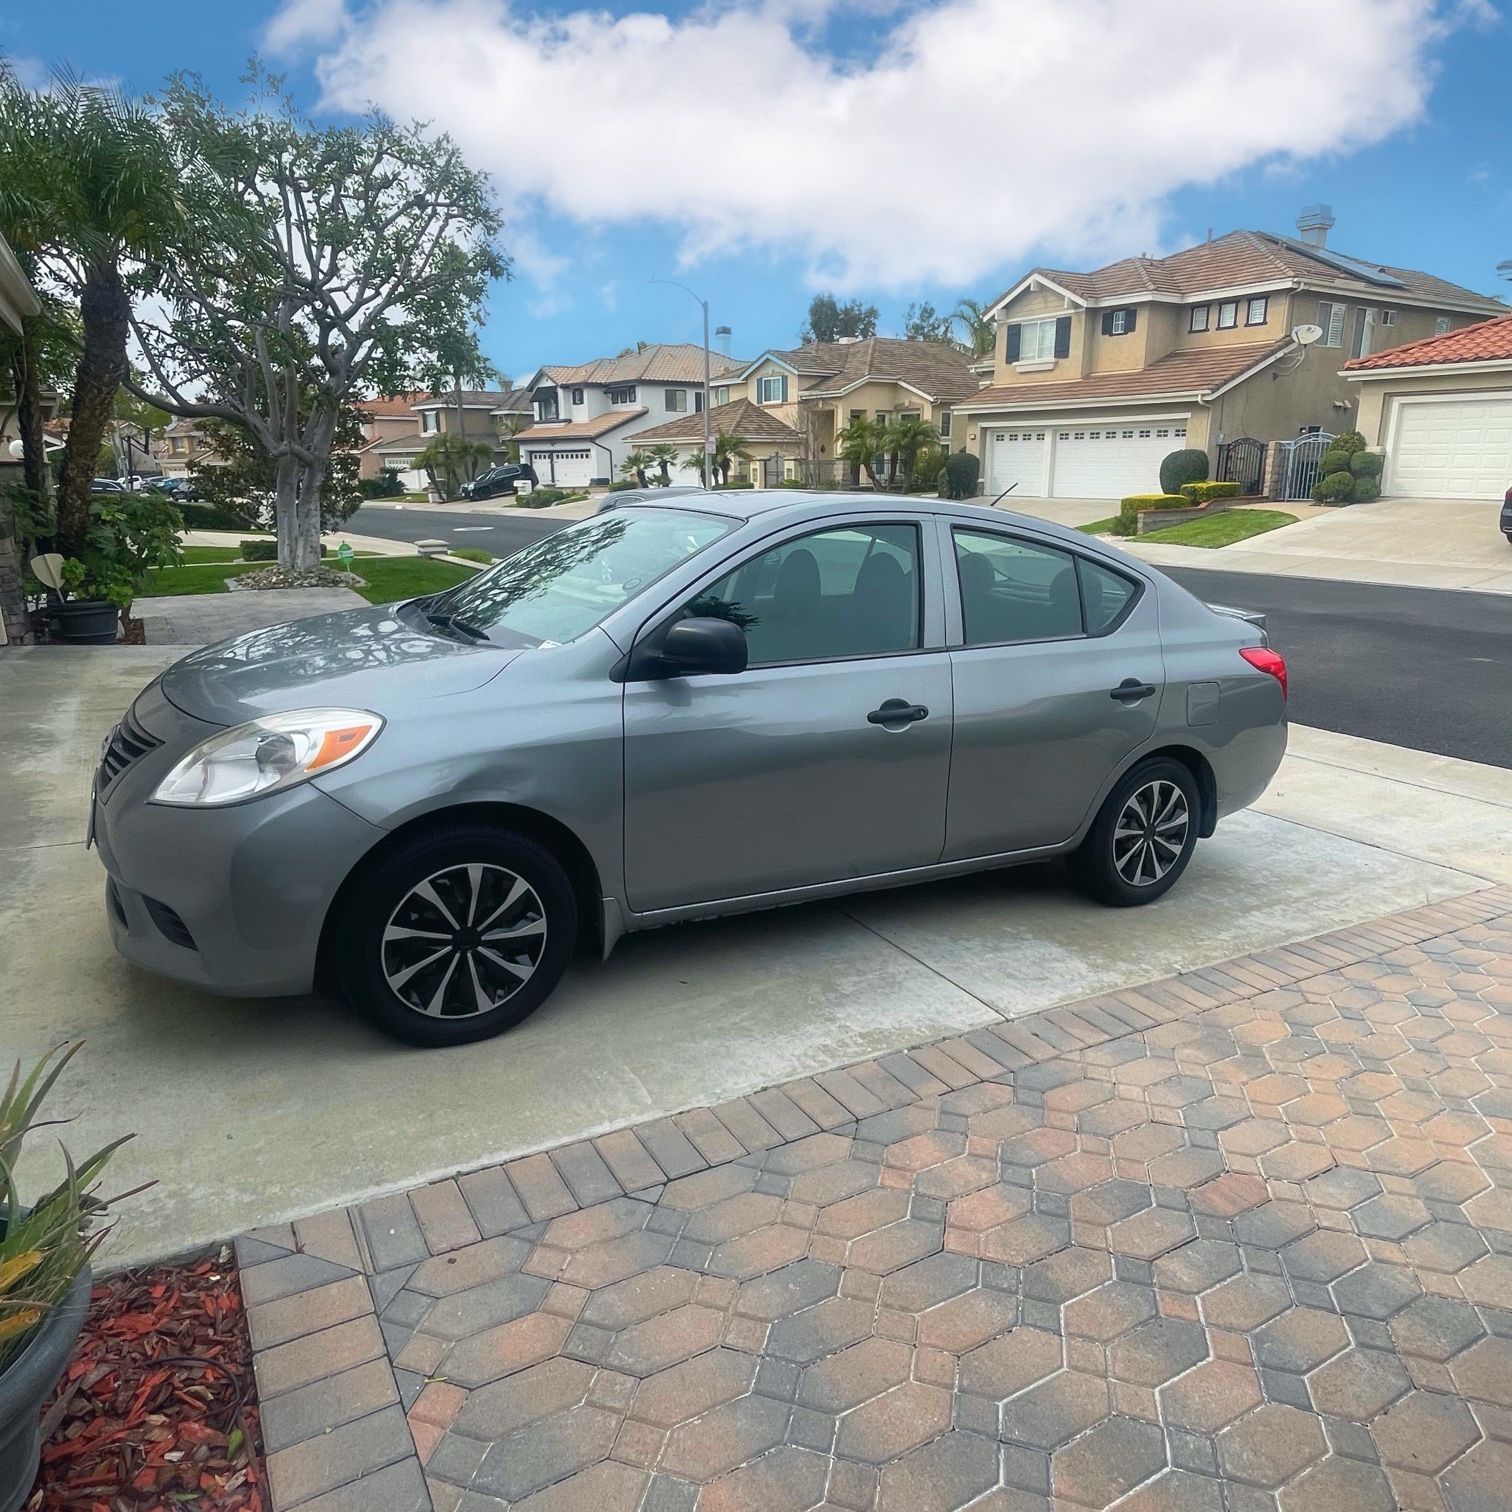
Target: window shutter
(1015,333)
(1130,316)
(1063,336)
(1107,324)
(784,388)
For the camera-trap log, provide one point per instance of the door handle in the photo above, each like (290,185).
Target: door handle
(897,711)
(1131,690)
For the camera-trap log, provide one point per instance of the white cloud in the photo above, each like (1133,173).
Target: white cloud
(980,130)
(305,23)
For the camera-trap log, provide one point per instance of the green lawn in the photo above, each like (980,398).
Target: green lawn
(195,555)
(388,578)
(1216,530)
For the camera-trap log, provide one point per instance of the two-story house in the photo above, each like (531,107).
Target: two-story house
(590,416)
(790,406)
(185,441)
(396,430)
(1097,376)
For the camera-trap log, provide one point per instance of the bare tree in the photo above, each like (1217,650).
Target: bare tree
(373,253)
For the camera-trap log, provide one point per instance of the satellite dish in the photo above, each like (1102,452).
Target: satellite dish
(1305,335)
(47,568)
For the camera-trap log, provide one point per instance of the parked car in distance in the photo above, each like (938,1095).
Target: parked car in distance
(499,480)
(683,707)
(180,490)
(1506,517)
(106,485)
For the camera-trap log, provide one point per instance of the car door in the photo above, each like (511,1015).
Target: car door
(828,757)
(1058,678)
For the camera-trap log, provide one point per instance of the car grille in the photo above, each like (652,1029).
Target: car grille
(170,926)
(128,743)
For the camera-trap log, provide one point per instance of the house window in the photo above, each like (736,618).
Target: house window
(1228,314)
(1198,320)
(698,401)
(1256,310)
(1119,323)
(624,395)
(772,390)
(1364,332)
(577,396)
(546,405)
(1441,326)
(722,394)
(677,400)
(1331,318)
(430,422)
(942,425)
(1037,340)
(1388,317)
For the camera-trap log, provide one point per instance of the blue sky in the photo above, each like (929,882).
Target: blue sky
(614,175)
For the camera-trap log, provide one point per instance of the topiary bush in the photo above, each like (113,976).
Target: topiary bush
(963,470)
(1201,493)
(1334,488)
(1367,464)
(1128,509)
(1349,443)
(1333,461)
(1365,488)
(1185,466)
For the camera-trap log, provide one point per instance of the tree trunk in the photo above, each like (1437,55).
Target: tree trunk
(286,512)
(311,481)
(105,310)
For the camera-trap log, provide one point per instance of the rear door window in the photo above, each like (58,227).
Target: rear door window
(1015,590)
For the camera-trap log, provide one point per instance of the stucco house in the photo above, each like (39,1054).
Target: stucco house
(1094,377)
(18,303)
(1441,411)
(790,405)
(588,417)
(184,441)
(398,429)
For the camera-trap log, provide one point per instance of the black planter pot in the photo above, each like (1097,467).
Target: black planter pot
(86,622)
(27,1382)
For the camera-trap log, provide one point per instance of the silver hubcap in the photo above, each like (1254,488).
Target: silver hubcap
(1150,833)
(464,941)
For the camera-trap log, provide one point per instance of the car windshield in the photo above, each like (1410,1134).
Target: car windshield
(560,586)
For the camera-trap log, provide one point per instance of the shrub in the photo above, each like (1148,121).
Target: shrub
(1349,443)
(733,483)
(1129,508)
(621,485)
(1185,466)
(544,498)
(474,554)
(963,470)
(1366,487)
(929,467)
(1333,461)
(1200,493)
(791,483)
(266,551)
(1334,488)
(385,486)
(1367,464)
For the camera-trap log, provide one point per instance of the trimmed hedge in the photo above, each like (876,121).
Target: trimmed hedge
(622,485)
(1200,493)
(266,551)
(1367,464)
(1128,509)
(1366,488)
(1334,488)
(1186,466)
(1333,461)
(1349,443)
(733,483)
(963,470)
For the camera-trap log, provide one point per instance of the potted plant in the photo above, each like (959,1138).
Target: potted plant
(45,1249)
(129,535)
(94,598)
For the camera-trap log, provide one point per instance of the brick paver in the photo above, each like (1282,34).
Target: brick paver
(1241,1239)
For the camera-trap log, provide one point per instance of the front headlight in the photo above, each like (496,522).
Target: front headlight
(268,754)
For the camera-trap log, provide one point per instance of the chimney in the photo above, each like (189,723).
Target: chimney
(1314,224)
(722,340)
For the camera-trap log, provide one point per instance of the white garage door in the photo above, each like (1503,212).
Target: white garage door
(1112,461)
(1015,457)
(573,469)
(1452,448)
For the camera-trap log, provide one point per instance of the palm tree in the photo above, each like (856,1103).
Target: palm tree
(662,455)
(636,465)
(728,449)
(450,460)
(906,438)
(979,332)
(93,188)
(861,443)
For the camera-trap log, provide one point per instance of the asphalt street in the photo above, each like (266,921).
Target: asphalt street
(1425,668)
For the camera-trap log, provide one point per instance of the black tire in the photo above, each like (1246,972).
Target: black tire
(459,862)
(1094,864)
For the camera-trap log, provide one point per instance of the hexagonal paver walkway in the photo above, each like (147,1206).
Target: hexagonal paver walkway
(1241,1240)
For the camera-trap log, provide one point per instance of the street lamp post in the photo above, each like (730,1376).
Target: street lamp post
(703,304)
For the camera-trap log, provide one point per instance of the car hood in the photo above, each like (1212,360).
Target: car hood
(364,658)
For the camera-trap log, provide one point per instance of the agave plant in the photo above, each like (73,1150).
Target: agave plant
(43,1247)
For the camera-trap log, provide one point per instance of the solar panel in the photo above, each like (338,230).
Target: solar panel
(1350,265)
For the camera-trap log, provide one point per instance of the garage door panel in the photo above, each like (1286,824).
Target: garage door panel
(1016,458)
(1113,461)
(1453,448)
(565,468)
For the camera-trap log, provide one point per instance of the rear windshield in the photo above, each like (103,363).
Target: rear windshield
(560,586)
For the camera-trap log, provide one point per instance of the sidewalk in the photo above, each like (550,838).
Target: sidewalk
(1238,1239)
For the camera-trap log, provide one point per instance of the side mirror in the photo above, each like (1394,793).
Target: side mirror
(703,645)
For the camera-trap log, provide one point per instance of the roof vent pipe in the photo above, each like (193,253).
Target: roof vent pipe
(722,340)
(1314,224)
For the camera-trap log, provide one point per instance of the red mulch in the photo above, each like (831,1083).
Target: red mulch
(157,1409)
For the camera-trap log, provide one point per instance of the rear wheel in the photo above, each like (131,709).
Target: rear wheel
(1142,838)
(456,935)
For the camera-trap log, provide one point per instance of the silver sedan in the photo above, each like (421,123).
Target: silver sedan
(678,708)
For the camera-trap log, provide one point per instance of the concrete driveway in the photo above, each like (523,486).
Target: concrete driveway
(249,1112)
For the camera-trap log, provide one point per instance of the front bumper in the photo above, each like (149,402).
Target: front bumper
(233,899)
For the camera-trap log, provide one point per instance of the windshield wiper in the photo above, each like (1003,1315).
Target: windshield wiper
(456,623)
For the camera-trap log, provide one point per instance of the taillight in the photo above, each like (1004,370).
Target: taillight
(1263,659)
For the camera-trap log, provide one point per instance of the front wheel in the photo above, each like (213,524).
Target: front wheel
(1142,838)
(456,935)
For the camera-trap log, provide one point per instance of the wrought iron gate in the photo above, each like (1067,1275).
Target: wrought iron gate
(1299,464)
(1243,462)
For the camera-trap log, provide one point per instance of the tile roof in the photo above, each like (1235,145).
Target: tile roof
(399,406)
(1489,341)
(579,430)
(1196,372)
(472,398)
(737,418)
(1242,258)
(934,367)
(659,362)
